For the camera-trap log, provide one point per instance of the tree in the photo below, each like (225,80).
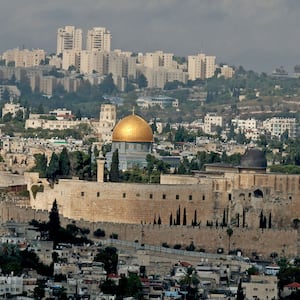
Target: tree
(107,86)
(53,168)
(142,81)
(108,287)
(184,217)
(64,162)
(40,164)
(189,282)
(240,293)
(109,257)
(229,232)
(54,224)
(114,168)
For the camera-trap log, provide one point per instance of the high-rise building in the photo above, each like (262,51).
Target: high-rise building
(201,66)
(69,38)
(98,38)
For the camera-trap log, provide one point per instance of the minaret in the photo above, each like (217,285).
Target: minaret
(100,168)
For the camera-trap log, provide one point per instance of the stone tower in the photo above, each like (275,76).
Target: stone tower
(107,121)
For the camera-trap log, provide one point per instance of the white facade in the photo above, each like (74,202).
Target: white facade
(161,101)
(35,122)
(69,38)
(12,285)
(12,108)
(107,122)
(201,66)
(244,124)
(226,71)
(261,287)
(277,126)
(211,120)
(70,58)
(98,38)
(25,58)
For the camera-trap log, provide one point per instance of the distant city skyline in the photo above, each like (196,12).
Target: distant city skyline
(259,34)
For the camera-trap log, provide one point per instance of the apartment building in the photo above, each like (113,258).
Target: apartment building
(24,58)
(277,126)
(211,121)
(201,66)
(71,58)
(242,125)
(98,38)
(226,71)
(68,38)
(261,287)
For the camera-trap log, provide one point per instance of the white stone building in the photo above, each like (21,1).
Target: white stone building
(69,38)
(277,126)
(201,66)
(12,108)
(98,38)
(211,121)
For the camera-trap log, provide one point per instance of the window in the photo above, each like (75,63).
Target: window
(151,196)
(203,197)
(229,197)
(98,194)
(82,194)
(190,197)
(177,197)
(164,196)
(124,195)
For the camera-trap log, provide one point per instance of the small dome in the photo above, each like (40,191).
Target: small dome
(254,158)
(132,129)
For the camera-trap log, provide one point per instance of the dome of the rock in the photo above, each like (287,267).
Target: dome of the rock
(132,129)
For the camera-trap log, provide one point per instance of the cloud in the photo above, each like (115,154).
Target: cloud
(229,29)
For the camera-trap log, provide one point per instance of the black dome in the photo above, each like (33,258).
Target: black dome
(254,158)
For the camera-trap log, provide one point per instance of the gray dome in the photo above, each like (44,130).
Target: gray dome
(254,158)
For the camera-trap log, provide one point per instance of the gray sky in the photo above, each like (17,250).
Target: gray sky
(258,34)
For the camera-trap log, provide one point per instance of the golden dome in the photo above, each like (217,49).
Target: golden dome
(132,129)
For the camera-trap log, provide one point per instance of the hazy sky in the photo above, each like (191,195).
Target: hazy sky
(258,34)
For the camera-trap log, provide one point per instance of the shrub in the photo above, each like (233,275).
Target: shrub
(36,188)
(99,233)
(165,245)
(177,246)
(191,247)
(114,236)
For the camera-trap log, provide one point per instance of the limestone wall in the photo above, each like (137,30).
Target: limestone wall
(263,242)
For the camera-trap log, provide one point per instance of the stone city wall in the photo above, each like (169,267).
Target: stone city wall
(263,242)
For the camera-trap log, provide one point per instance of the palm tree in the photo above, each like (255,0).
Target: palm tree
(189,281)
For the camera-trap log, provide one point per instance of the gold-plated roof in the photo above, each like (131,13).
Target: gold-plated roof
(132,129)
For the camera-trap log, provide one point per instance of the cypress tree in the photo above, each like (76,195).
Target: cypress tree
(53,168)
(184,217)
(171,220)
(270,220)
(114,168)
(159,220)
(64,162)
(261,220)
(54,224)
(195,218)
